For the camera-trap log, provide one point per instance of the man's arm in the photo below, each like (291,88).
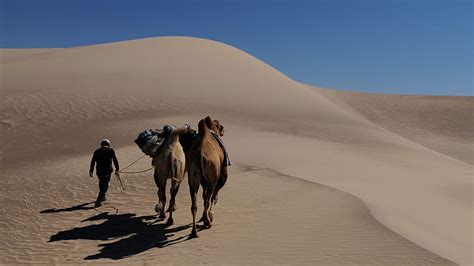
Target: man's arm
(91,169)
(116,163)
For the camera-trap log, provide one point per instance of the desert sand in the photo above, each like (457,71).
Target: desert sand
(319,176)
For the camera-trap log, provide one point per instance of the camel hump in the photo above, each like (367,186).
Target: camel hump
(211,124)
(208,121)
(180,131)
(202,127)
(177,132)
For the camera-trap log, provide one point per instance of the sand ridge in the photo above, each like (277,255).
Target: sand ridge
(441,123)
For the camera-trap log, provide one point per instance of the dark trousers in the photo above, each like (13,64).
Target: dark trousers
(103,186)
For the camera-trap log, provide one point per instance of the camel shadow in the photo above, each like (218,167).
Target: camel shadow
(136,234)
(79,207)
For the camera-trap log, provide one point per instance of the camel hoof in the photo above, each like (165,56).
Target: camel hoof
(171,209)
(158,208)
(193,234)
(207,224)
(170,222)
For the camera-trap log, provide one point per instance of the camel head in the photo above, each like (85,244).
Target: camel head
(214,125)
(219,127)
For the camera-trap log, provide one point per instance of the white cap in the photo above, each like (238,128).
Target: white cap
(105,142)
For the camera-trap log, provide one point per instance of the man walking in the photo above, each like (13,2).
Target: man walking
(103,156)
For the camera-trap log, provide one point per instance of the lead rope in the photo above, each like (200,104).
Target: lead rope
(137,172)
(123,172)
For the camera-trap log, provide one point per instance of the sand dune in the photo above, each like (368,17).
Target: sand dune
(263,216)
(441,123)
(408,162)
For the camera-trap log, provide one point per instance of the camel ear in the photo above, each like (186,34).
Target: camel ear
(221,130)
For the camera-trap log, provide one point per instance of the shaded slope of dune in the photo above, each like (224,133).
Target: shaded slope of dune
(59,102)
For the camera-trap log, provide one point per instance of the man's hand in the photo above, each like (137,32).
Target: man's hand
(90,174)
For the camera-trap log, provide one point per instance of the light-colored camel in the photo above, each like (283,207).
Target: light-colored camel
(169,164)
(206,167)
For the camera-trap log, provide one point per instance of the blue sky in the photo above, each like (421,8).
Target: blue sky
(389,46)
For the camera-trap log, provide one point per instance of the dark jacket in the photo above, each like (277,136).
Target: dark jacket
(104,156)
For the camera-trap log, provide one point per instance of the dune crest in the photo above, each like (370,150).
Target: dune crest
(441,123)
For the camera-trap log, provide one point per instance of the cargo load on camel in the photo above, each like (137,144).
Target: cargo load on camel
(150,141)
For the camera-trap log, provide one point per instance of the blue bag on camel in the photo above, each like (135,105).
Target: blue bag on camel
(149,141)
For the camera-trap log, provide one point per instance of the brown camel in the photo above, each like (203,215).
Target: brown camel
(206,166)
(169,164)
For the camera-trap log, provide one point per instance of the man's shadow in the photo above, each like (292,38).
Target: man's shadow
(137,234)
(79,207)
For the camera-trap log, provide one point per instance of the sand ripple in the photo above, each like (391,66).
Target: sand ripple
(262,216)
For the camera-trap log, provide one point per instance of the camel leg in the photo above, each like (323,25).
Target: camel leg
(173,191)
(204,188)
(207,206)
(161,183)
(204,185)
(210,213)
(220,184)
(193,190)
